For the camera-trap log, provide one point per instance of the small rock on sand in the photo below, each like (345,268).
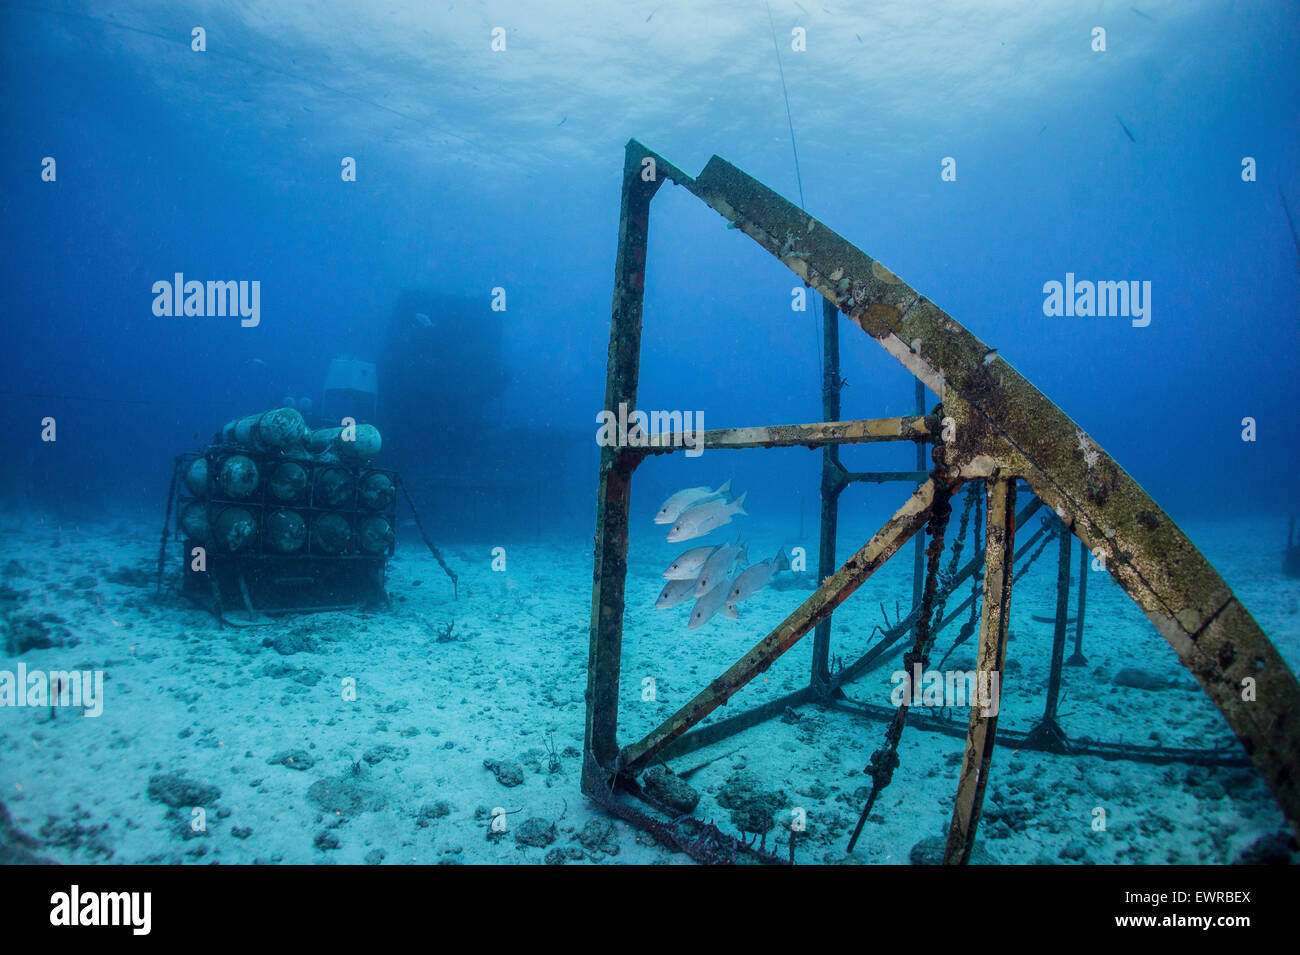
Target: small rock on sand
(1140,679)
(670,789)
(508,773)
(752,807)
(599,835)
(177,790)
(535,832)
(287,644)
(298,759)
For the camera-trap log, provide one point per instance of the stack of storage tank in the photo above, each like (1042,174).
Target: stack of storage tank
(269,487)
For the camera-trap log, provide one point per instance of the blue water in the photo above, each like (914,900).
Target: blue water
(479,170)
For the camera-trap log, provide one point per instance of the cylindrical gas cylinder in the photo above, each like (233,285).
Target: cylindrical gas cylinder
(235,530)
(288,483)
(196,477)
(376,490)
(285,531)
(374,535)
(273,430)
(194,521)
(330,534)
(334,487)
(238,477)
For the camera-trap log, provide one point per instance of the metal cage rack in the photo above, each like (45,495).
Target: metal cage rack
(262,578)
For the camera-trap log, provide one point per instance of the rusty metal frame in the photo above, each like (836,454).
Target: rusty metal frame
(998,429)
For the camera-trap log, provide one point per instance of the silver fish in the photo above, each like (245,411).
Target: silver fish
(698,520)
(754,578)
(717,569)
(687,565)
(675,592)
(688,498)
(715,601)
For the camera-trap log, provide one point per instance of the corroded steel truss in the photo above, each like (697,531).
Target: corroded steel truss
(992,426)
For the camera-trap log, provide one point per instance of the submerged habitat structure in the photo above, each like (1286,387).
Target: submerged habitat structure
(442,372)
(279,518)
(991,430)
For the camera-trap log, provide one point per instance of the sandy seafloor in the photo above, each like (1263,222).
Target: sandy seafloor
(403,771)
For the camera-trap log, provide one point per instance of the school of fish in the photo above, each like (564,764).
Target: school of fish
(714,576)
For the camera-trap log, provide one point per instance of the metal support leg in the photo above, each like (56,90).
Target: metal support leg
(600,750)
(831,486)
(1048,732)
(1062,621)
(1077,659)
(1000,539)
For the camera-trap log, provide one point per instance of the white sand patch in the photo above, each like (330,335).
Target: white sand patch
(405,760)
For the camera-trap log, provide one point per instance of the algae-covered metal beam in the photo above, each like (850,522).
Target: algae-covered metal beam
(832,592)
(1000,427)
(1000,539)
(1146,553)
(818,434)
(622,374)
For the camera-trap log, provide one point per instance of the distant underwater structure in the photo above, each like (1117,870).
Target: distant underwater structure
(440,369)
(277,517)
(442,375)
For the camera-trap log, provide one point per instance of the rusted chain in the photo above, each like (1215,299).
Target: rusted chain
(885,759)
(976,585)
(455,587)
(972,495)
